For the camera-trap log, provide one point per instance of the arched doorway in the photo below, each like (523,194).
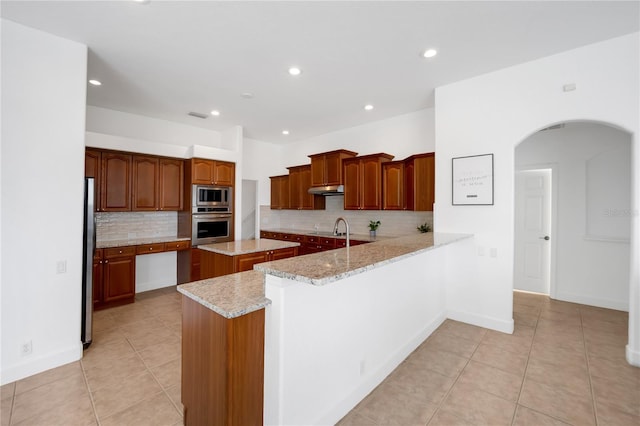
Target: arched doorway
(589,217)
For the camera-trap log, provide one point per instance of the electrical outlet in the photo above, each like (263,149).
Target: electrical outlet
(493,252)
(61,267)
(480,251)
(27,348)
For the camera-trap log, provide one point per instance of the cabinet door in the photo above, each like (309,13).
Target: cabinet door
(409,186)
(171,184)
(352,184)
(295,189)
(92,161)
(97,278)
(145,183)
(115,194)
(318,170)
(202,171)
(333,169)
(245,262)
(224,173)
(283,253)
(119,278)
(279,192)
(393,186)
(371,187)
(424,183)
(195,264)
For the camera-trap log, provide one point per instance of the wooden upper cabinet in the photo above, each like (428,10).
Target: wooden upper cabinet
(363,181)
(299,184)
(92,161)
(157,183)
(115,182)
(279,192)
(393,185)
(171,184)
(326,168)
(420,182)
(211,172)
(145,182)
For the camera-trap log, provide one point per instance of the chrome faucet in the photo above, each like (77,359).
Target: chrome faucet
(335,227)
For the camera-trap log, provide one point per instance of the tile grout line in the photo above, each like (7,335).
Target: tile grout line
(86,382)
(586,355)
(13,401)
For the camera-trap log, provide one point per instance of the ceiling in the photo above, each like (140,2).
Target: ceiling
(163,59)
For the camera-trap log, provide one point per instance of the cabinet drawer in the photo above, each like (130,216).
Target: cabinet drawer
(343,242)
(297,238)
(150,248)
(177,245)
(119,251)
(323,241)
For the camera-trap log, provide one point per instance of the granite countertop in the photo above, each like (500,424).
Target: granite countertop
(359,237)
(236,248)
(326,267)
(138,241)
(231,295)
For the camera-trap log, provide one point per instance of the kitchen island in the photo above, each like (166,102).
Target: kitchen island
(337,323)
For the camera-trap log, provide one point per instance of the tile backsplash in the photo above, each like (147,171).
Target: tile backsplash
(130,225)
(391,222)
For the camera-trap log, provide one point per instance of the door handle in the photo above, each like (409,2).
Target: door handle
(546,238)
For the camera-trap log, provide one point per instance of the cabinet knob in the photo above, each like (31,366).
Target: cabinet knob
(150,248)
(120,251)
(106,261)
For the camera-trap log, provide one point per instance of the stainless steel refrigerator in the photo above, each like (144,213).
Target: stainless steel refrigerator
(88,247)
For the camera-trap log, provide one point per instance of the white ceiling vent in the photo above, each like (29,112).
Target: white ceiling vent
(198,114)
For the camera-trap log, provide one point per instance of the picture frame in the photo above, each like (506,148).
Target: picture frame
(472,180)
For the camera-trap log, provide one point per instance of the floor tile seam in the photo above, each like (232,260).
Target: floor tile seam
(147,398)
(175,405)
(544,414)
(93,403)
(13,400)
(453,384)
(526,367)
(591,389)
(15,391)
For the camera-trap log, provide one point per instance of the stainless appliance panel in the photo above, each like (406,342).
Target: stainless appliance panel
(89,244)
(210,228)
(211,198)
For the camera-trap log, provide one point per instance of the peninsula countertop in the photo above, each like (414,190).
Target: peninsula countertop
(230,295)
(327,267)
(237,248)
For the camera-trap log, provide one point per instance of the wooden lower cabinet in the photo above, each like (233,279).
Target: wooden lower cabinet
(216,264)
(311,243)
(114,276)
(222,366)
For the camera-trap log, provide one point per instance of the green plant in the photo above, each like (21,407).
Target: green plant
(373,224)
(425,227)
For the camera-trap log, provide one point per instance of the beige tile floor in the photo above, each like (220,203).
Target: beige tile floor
(564,364)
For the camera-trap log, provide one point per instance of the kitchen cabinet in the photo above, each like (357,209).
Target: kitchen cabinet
(279,192)
(299,184)
(114,276)
(310,243)
(326,168)
(393,186)
(217,264)
(363,181)
(157,183)
(419,182)
(115,182)
(92,162)
(212,172)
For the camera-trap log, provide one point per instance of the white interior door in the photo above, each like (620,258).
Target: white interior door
(532,269)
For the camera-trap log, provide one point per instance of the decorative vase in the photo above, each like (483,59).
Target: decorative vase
(372,234)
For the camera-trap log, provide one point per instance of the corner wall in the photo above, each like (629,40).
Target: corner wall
(495,112)
(43,118)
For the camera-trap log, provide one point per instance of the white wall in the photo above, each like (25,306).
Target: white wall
(493,113)
(43,116)
(591,269)
(261,160)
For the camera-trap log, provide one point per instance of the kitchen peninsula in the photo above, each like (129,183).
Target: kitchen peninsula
(334,324)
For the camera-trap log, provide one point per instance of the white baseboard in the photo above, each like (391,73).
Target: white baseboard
(376,377)
(37,365)
(482,321)
(593,301)
(633,357)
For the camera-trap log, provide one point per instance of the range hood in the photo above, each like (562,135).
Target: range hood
(327,190)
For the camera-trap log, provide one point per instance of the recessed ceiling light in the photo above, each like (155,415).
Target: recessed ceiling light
(430,53)
(95,82)
(215,112)
(295,71)
(247,95)
(285,132)
(368,107)
(142,1)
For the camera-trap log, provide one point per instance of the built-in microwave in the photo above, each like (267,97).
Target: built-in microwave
(211,228)
(211,199)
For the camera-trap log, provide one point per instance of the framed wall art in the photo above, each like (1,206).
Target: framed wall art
(472,180)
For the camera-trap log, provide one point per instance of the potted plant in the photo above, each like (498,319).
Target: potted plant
(373,225)
(425,227)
